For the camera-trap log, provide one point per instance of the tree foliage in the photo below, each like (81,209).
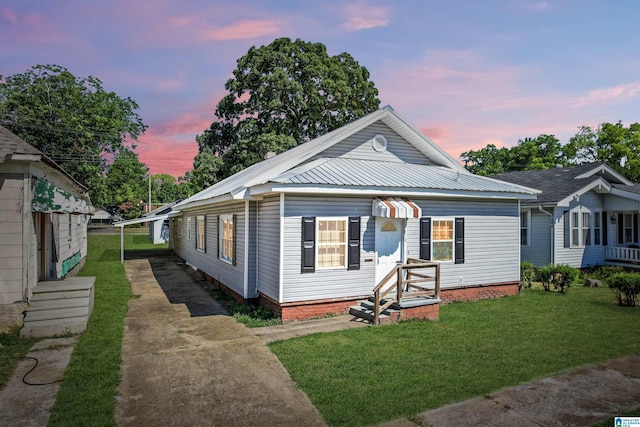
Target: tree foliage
(73,120)
(128,182)
(541,152)
(614,144)
(166,189)
(282,95)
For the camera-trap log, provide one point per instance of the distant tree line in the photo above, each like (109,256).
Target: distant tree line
(614,144)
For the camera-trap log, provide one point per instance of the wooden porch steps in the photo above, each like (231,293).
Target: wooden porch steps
(59,307)
(406,308)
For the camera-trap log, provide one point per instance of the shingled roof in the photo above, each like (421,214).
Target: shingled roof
(12,145)
(561,182)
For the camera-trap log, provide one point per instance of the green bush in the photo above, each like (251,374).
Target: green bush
(627,288)
(601,272)
(527,274)
(558,276)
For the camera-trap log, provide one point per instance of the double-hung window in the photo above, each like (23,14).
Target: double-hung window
(580,228)
(226,236)
(200,238)
(597,228)
(189,228)
(331,243)
(524,228)
(442,240)
(586,228)
(628,228)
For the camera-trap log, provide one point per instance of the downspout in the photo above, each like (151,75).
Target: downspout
(552,249)
(26,213)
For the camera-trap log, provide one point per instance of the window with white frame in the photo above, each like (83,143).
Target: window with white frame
(180,230)
(442,240)
(586,228)
(524,228)
(189,228)
(331,243)
(580,228)
(200,238)
(226,235)
(597,228)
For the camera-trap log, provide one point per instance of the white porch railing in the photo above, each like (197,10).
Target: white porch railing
(622,254)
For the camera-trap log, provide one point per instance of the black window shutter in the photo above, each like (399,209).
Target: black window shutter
(567,229)
(604,229)
(219,237)
(635,228)
(308,244)
(620,229)
(353,261)
(425,238)
(459,240)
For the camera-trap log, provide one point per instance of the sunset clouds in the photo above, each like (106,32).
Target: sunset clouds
(465,73)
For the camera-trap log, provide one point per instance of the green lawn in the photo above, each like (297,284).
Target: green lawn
(88,389)
(368,375)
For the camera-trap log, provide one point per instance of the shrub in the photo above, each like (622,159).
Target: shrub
(560,276)
(627,288)
(601,272)
(527,274)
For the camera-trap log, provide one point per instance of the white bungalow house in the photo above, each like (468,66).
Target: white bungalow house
(315,229)
(43,224)
(586,215)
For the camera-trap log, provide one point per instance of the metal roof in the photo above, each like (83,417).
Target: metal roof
(369,173)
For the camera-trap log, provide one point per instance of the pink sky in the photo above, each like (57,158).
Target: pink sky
(466,73)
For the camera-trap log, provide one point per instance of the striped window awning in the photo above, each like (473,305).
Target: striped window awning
(394,207)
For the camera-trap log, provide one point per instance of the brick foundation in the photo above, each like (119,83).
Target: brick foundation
(470,293)
(309,309)
(303,310)
(430,312)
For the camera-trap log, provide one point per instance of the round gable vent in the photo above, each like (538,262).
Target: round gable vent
(379,142)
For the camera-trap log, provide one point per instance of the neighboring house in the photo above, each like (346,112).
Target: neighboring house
(43,224)
(314,229)
(101,217)
(586,215)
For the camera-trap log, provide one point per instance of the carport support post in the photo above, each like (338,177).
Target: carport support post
(122,245)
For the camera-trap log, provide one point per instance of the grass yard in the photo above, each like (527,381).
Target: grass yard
(368,375)
(88,389)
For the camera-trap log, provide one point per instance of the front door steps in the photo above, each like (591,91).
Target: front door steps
(418,307)
(59,307)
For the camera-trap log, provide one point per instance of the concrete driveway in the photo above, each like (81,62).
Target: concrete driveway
(178,369)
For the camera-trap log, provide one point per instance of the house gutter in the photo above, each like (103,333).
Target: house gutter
(552,248)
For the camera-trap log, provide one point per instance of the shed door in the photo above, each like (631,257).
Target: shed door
(389,247)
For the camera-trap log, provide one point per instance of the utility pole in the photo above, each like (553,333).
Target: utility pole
(149,210)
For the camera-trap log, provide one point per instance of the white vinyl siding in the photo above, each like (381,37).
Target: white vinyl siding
(230,275)
(358,146)
(180,226)
(326,283)
(268,260)
(491,240)
(578,256)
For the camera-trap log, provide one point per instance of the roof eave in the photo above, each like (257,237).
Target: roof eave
(272,188)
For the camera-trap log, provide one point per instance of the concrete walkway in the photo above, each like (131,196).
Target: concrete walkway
(182,370)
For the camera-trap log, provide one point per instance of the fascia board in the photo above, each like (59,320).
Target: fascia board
(377,191)
(598,182)
(626,194)
(204,202)
(607,169)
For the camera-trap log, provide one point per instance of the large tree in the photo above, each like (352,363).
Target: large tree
(284,94)
(73,120)
(128,182)
(614,144)
(541,152)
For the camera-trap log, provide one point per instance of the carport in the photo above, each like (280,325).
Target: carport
(123,224)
